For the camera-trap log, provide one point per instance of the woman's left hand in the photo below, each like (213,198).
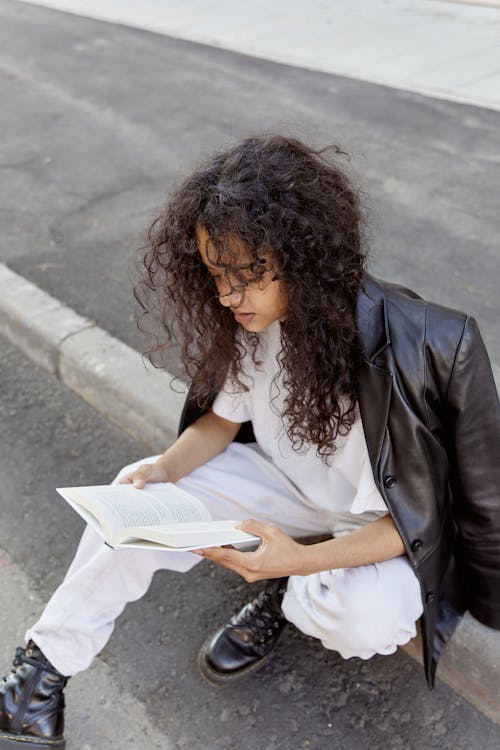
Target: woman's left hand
(278,554)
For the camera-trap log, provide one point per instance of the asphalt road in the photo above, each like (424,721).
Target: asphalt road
(146,680)
(98,122)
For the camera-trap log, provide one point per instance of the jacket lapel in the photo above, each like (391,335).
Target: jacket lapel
(374,380)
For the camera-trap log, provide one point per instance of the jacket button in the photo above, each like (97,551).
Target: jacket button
(431,598)
(389,481)
(417,545)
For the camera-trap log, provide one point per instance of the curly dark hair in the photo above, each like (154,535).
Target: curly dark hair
(272,193)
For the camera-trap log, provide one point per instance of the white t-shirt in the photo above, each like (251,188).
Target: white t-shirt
(344,486)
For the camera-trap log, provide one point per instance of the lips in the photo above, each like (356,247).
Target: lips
(243,317)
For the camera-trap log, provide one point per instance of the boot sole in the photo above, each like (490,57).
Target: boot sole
(11,741)
(224,679)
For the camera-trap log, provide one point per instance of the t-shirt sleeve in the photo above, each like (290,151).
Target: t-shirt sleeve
(232,404)
(368,497)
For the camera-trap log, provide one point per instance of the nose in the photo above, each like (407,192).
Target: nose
(229,296)
(232,299)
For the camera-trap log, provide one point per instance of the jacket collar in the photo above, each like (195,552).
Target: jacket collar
(371,319)
(374,381)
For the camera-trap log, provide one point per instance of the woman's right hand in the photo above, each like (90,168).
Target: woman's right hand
(156,472)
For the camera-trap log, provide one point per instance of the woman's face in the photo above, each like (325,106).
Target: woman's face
(256,305)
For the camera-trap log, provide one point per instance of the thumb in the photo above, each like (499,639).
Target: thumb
(251,526)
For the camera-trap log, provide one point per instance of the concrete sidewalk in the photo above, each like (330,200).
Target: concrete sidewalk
(445,49)
(112,378)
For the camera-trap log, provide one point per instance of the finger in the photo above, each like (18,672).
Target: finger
(264,530)
(230,558)
(141,476)
(243,563)
(202,552)
(127,479)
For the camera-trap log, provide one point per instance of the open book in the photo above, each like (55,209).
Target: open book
(160,516)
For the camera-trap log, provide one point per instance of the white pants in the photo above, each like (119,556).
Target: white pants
(355,611)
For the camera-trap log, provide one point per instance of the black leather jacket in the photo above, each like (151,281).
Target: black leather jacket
(431,417)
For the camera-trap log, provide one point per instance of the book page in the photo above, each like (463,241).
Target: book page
(123,506)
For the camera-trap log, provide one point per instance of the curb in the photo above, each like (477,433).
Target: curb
(113,378)
(104,371)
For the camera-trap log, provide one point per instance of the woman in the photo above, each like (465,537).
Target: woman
(323,402)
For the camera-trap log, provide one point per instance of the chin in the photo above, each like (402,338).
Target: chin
(253,327)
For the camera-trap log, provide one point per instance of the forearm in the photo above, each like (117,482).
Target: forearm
(375,542)
(279,555)
(200,442)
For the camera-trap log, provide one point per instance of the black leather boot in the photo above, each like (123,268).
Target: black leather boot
(245,644)
(32,703)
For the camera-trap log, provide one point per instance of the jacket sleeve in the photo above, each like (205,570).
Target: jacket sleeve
(474,420)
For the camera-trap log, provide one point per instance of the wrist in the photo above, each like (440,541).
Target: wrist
(166,467)
(305,560)
(312,558)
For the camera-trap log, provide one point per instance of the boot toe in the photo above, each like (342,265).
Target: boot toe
(226,654)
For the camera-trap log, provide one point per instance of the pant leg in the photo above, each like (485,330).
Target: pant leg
(362,611)
(79,618)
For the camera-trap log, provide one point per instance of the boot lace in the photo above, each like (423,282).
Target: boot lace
(262,617)
(16,663)
(40,663)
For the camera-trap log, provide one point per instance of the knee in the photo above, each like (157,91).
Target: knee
(350,614)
